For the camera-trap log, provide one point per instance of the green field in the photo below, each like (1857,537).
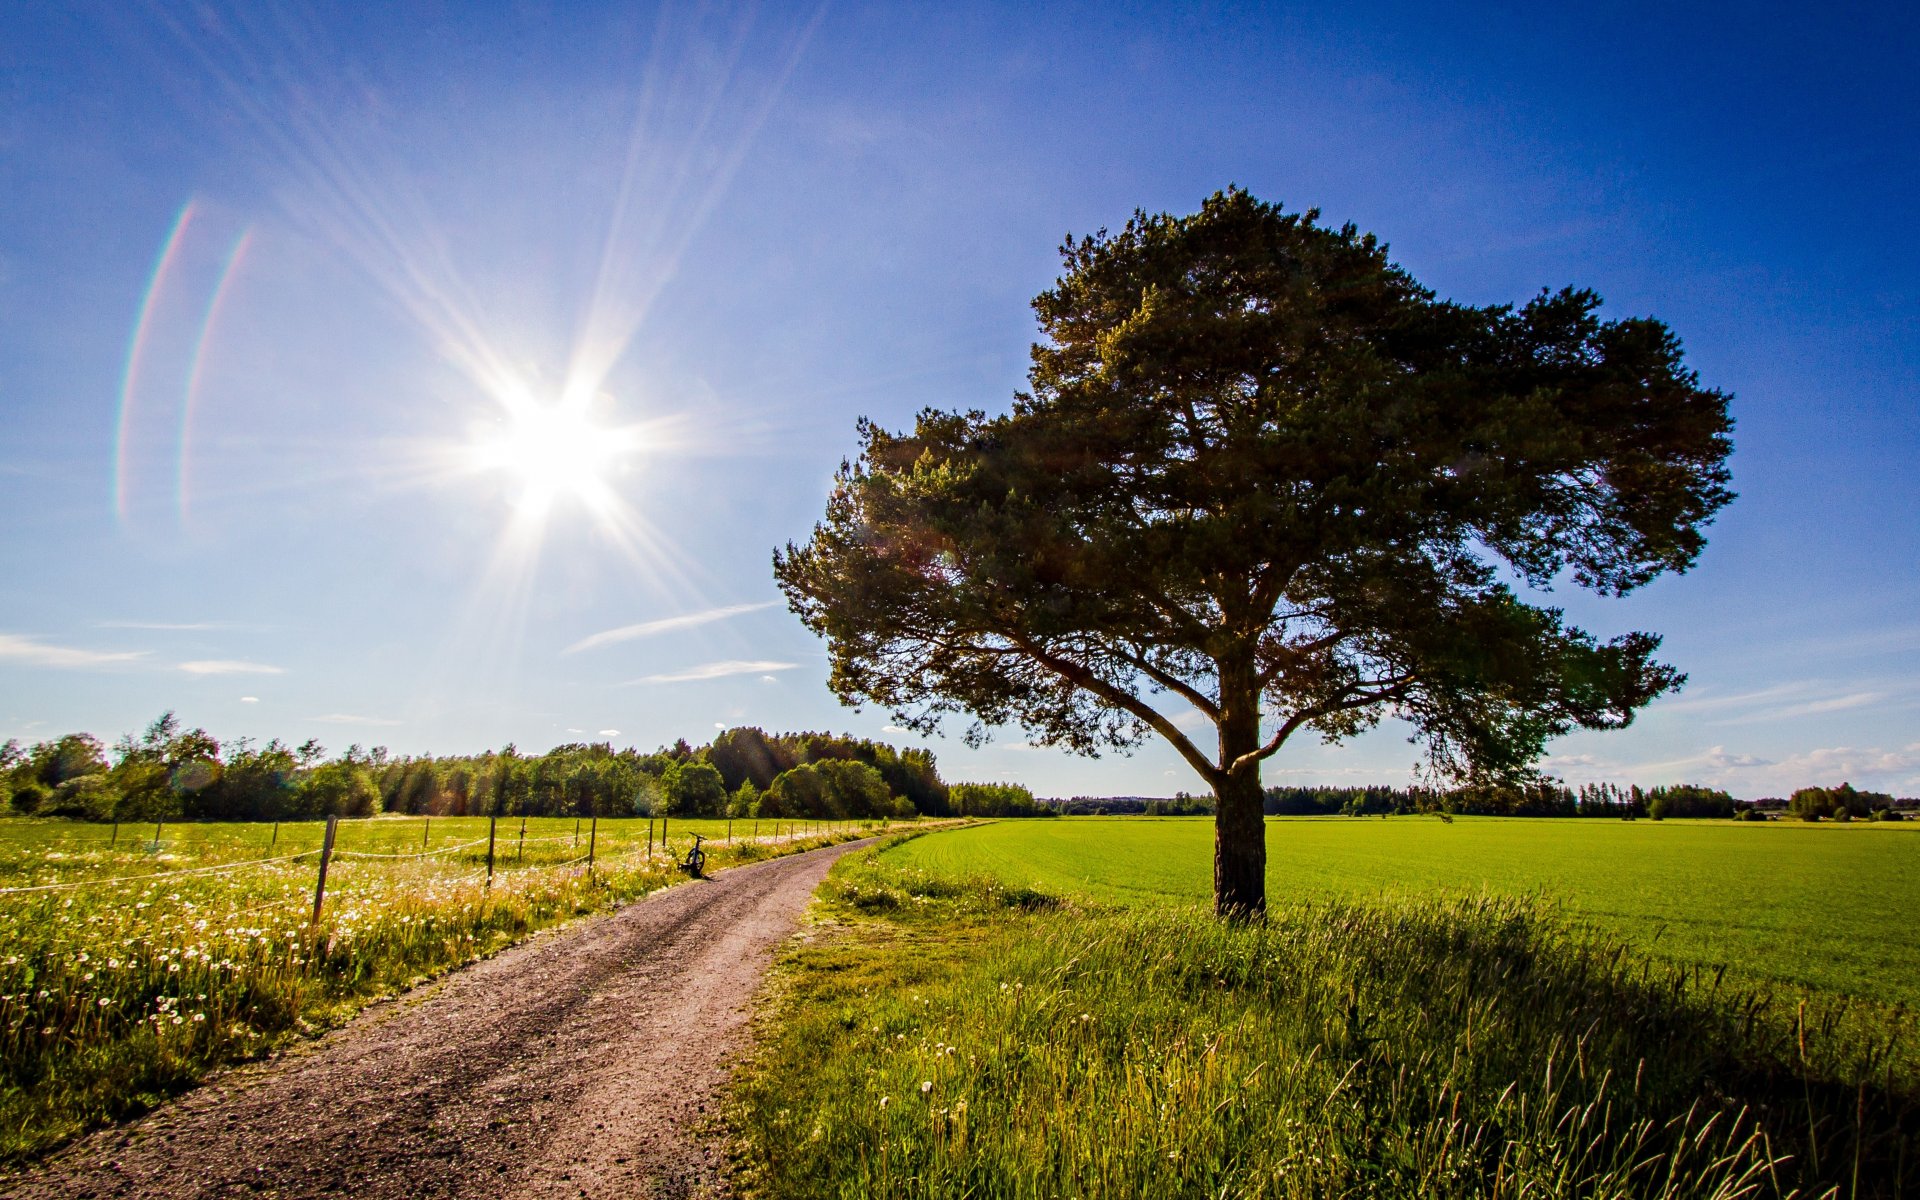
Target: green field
(1048,1008)
(1822,907)
(130,964)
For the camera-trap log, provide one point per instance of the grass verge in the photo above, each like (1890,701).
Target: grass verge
(945,1036)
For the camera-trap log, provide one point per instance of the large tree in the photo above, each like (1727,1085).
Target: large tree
(1265,476)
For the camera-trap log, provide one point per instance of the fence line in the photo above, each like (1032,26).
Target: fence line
(646,852)
(417,854)
(216,869)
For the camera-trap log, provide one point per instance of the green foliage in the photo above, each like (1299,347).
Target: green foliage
(1265,472)
(831,788)
(1839,803)
(1687,800)
(170,773)
(692,789)
(960,1038)
(996,800)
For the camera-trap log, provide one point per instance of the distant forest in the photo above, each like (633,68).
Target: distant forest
(1548,798)
(170,772)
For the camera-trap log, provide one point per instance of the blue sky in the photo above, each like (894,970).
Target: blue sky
(273,279)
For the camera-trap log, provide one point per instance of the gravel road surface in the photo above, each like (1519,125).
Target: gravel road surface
(583,1062)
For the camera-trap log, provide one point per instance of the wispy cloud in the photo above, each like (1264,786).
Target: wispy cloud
(627,633)
(1786,701)
(717,670)
(609,733)
(249,699)
(35,653)
(164,626)
(229,666)
(351,719)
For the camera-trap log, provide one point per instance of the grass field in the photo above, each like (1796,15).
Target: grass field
(1828,908)
(130,966)
(1036,1009)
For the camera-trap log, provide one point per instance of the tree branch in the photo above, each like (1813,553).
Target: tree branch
(1084,678)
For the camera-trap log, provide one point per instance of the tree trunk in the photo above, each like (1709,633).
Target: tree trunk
(1240,848)
(1239,825)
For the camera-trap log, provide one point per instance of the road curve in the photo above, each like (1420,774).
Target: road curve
(580,1063)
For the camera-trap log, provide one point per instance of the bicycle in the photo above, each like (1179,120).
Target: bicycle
(696,860)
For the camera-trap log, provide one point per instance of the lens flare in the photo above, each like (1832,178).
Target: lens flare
(136,354)
(227,274)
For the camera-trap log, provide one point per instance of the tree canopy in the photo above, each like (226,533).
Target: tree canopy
(1264,475)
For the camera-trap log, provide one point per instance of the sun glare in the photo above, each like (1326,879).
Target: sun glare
(553,452)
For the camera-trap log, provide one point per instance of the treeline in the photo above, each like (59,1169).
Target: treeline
(1182,805)
(1550,798)
(1547,798)
(170,772)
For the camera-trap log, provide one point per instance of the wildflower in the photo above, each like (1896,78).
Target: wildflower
(883,1101)
(926,1085)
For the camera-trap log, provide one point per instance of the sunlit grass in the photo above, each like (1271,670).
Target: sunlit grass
(945,1035)
(116,994)
(1821,907)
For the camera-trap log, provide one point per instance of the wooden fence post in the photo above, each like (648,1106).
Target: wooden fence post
(116,832)
(326,856)
(576,833)
(156,835)
(593,838)
(649,839)
(493,824)
(522,851)
(275,839)
(424,831)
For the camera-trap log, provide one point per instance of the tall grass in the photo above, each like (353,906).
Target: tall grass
(114,995)
(958,1038)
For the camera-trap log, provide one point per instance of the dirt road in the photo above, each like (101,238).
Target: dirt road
(583,1062)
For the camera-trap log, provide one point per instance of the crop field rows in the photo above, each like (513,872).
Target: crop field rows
(132,965)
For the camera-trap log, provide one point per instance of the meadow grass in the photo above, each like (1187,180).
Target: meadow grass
(944,1034)
(1827,908)
(116,994)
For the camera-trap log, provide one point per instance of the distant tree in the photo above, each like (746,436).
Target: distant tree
(1811,803)
(343,788)
(995,800)
(798,792)
(745,801)
(54,763)
(1688,800)
(1264,473)
(691,788)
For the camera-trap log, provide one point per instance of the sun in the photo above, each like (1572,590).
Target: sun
(554,452)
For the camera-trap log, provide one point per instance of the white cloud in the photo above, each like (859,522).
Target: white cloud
(229,666)
(35,653)
(609,733)
(249,699)
(351,719)
(716,670)
(627,633)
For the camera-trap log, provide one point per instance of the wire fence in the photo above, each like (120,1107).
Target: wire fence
(328,853)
